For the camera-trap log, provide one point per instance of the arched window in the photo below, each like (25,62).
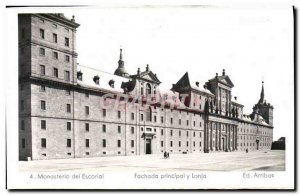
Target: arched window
(148,89)
(149,114)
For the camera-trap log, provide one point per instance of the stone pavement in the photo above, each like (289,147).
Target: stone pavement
(217,161)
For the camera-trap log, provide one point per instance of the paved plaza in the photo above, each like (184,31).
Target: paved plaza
(217,161)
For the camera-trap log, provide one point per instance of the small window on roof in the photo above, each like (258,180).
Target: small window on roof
(111,83)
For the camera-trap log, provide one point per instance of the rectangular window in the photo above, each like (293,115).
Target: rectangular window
(142,117)
(187,133)
(162,119)
(23,33)
(68,108)
(87,110)
(42,70)
(171,143)
(187,144)
(43,105)
(119,114)
(187,122)
(194,123)
(119,129)
(200,144)
(200,124)
(43,143)
(42,33)
(68,92)
(194,134)
(69,126)
(119,143)
(179,133)
(171,120)
(103,128)
(42,51)
(161,132)
(23,143)
(22,105)
(22,125)
(87,126)
(87,143)
(161,143)
(55,72)
(54,38)
(132,143)
(171,133)
(67,58)
(200,134)
(179,121)
(104,112)
(104,143)
(179,143)
(66,42)
(132,116)
(67,75)
(43,124)
(155,119)
(69,143)
(43,88)
(132,130)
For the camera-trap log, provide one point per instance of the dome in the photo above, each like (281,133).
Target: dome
(121,71)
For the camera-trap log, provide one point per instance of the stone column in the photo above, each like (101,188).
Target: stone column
(233,138)
(217,141)
(211,137)
(236,137)
(229,130)
(220,138)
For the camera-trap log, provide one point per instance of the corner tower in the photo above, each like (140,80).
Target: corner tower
(263,108)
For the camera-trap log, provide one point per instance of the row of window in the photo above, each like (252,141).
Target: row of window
(255,144)
(54,54)
(179,133)
(55,72)
(179,144)
(54,37)
(69,143)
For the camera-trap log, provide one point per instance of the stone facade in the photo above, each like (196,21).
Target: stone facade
(61,116)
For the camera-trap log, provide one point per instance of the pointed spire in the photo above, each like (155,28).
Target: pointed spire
(262,94)
(121,56)
(121,71)
(121,62)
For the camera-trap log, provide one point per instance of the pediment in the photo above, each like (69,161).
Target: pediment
(149,76)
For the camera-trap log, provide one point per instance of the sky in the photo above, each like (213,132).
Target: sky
(252,44)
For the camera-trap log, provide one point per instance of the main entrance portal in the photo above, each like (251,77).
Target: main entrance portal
(148,146)
(257,144)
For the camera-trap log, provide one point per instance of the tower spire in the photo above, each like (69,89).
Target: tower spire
(121,71)
(262,94)
(121,62)
(121,56)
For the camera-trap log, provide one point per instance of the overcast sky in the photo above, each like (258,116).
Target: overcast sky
(252,44)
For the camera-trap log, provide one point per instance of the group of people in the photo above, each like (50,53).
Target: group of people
(166,154)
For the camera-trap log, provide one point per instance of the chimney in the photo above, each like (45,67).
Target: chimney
(223,72)
(205,86)
(197,83)
(138,72)
(216,75)
(235,98)
(147,67)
